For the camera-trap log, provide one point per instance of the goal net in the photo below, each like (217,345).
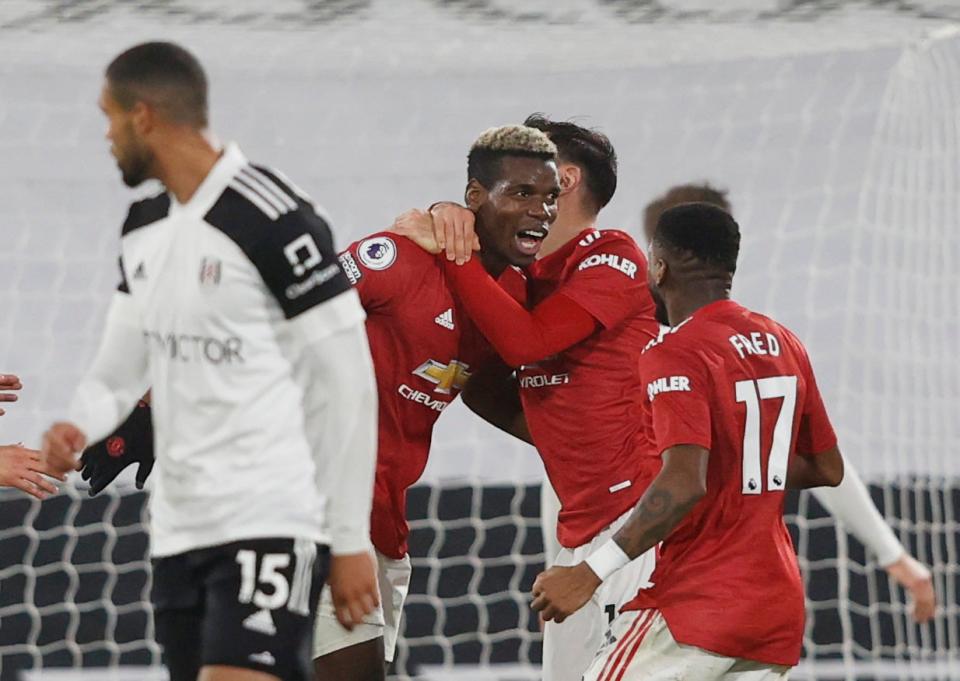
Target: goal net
(833,124)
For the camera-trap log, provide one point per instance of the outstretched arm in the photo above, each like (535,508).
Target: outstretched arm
(116,381)
(681,483)
(118,377)
(850,503)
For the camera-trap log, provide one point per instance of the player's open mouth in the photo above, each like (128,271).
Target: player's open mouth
(529,240)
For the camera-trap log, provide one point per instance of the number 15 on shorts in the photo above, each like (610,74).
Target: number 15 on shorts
(269,588)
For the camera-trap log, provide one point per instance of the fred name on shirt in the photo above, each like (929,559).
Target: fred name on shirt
(757,343)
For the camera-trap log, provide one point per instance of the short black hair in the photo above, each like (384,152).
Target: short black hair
(589,150)
(164,75)
(707,232)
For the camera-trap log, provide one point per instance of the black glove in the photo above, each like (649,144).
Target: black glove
(132,442)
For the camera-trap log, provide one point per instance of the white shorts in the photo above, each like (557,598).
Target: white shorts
(569,648)
(639,645)
(393,580)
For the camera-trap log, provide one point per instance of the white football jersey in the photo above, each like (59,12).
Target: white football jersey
(213,282)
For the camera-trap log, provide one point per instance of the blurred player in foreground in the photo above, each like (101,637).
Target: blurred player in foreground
(424,351)
(849,502)
(734,411)
(575,350)
(131,442)
(233,309)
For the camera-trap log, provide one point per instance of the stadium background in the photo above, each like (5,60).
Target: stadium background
(834,124)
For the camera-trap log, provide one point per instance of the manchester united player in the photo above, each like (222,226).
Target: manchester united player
(736,415)
(424,349)
(575,350)
(850,502)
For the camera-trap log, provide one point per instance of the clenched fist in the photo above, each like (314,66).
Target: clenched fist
(61,444)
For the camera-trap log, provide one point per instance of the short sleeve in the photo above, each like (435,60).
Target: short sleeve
(293,252)
(677,386)
(816,434)
(382,267)
(609,281)
(298,262)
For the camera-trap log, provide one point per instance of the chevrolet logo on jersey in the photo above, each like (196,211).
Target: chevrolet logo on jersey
(447,377)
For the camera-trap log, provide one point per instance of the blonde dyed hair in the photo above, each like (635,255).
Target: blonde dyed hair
(495,144)
(515,138)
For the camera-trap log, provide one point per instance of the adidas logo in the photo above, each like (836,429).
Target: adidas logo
(261,622)
(140,272)
(264,658)
(445,319)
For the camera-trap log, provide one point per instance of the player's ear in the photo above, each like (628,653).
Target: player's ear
(570,177)
(475,195)
(658,271)
(142,118)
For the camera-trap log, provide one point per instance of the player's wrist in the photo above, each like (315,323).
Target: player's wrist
(607,559)
(908,571)
(891,558)
(346,545)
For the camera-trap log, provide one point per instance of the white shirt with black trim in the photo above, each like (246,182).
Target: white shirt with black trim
(234,311)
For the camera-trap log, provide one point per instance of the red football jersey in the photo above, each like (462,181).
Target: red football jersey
(740,385)
(581,405)
(423,349)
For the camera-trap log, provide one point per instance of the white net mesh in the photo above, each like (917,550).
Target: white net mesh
(839,149)
(899,383)
(75,582)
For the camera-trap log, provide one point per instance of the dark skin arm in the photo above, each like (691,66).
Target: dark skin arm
(493,395)
(815,470)
(682,482)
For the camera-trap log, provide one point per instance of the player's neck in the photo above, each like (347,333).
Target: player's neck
(185,161)
(683,305)
(492,263)
(572,220)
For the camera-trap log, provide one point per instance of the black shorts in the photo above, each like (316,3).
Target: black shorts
(248,604)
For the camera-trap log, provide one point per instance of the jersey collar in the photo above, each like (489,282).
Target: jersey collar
(229,163)
(715,309)
(542,267)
